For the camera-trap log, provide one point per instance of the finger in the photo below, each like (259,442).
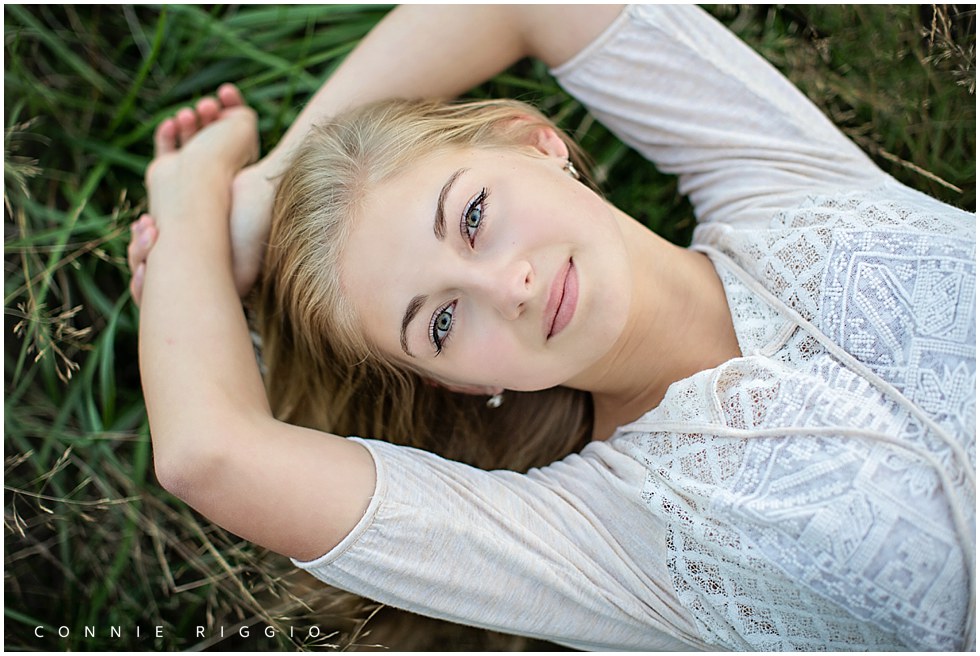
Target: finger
(186,124)
(144,236)
(132,256)
(133,250)
(136,284)
(165,137)
(149,236)
(208,110)
(230,96)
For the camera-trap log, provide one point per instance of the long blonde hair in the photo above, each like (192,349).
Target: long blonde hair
(321,371)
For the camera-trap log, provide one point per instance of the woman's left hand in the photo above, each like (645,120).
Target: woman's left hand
(199,151)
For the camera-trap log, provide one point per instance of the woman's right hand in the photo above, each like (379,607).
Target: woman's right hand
(143,234)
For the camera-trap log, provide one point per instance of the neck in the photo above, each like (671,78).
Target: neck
(679,324)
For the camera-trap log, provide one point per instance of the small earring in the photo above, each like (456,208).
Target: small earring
(572,171)
(495,401)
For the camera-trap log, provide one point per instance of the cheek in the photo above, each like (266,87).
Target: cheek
(500,359)
(493,354)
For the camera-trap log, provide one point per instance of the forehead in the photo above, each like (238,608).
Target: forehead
(390,240)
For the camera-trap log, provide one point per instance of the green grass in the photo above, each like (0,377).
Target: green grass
(90,539)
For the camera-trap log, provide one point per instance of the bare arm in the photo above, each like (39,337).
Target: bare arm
(215,442)
(442,51)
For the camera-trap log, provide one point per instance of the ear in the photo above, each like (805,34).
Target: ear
(546,141)
(543,138)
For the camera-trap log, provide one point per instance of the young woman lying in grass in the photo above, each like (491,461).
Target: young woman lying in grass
(765,441)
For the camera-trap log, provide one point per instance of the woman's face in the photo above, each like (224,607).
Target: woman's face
(488,269)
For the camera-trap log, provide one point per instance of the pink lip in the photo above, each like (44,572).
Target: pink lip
(561,301)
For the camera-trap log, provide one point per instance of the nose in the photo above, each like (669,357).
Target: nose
(506,286)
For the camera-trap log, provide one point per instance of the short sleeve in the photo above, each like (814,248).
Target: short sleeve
(680,88)
(533,554)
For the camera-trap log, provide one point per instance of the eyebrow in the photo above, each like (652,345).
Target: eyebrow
(439,230)
(413,308)
(439,223)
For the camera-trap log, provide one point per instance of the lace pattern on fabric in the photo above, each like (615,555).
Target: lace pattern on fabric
(808,541)
(794,520)
(758,327)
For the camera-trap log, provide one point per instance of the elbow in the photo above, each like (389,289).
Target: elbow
(187,471)
(194,456)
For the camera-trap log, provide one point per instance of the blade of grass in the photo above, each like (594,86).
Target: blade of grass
(129,101)
(238,44)
(61,51)
(27,620)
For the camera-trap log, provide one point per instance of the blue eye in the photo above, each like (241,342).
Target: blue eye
(472,218)
(441,325)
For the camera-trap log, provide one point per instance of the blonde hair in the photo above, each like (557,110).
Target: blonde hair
(321,370)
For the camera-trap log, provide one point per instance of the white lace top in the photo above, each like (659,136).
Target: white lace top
(817,493)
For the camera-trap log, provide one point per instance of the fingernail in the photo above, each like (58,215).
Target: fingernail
(144,238)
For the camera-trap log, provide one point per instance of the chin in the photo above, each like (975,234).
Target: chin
(536,383)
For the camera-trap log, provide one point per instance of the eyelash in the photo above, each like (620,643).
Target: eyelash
(433,327)
(481,202)
(464,230)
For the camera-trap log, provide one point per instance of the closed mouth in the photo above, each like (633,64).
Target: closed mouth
(562,300)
